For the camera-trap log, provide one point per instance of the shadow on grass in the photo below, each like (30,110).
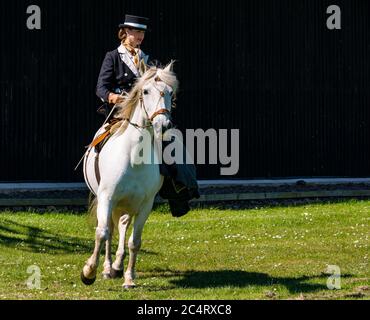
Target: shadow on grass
(34,239)
(242,279)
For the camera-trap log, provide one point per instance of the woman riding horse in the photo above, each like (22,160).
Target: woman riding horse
(120,69)
(121,66)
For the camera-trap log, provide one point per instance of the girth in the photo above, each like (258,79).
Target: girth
(98,144)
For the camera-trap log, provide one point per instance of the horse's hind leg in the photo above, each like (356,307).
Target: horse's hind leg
(134,244)
(104,214)
(117,267)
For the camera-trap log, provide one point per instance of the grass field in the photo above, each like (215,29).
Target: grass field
(262,253)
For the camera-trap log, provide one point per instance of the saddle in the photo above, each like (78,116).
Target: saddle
(110,128)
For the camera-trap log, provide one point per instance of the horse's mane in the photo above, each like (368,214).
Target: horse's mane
(127,107)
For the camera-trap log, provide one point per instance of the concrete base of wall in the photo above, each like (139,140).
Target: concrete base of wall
(211,191)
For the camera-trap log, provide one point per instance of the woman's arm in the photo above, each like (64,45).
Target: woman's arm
(106,78)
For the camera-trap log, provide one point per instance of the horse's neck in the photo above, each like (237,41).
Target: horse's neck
(139,116)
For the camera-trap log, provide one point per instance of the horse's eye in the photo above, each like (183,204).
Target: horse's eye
(145,91)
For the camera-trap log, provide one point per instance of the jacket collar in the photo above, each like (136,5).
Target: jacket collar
(125,57)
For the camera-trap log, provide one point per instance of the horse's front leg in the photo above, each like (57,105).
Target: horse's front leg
(134,245)
(104,214)
(107,267)
(117,267)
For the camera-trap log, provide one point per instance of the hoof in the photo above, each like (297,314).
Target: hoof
(115,274)
(86,281)
(129,286)
(107,276)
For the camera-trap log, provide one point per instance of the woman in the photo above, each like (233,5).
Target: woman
(121,66)
(118,73)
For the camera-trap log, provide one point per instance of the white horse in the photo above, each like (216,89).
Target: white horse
(127,189)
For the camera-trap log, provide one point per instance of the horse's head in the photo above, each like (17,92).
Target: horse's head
(153,95)
(157,96)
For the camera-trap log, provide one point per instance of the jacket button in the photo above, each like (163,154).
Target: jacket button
(125,74)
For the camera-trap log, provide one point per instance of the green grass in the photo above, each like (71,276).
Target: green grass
(263,253)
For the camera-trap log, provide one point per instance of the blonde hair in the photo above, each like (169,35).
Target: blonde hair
(122,34)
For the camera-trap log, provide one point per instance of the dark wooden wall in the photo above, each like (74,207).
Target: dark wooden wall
(298,92)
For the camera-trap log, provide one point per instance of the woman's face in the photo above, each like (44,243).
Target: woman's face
(135,37)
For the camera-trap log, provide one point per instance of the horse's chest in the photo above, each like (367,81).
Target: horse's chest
(143,179)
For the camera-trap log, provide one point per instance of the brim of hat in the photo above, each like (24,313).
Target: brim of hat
(131,27)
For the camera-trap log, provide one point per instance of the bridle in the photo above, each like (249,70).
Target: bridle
(155,114)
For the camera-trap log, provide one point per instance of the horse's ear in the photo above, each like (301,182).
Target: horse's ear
(169,67)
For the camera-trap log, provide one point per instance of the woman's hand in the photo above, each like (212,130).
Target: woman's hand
(115,98)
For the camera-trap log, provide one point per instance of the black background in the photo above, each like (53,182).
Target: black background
(298,92)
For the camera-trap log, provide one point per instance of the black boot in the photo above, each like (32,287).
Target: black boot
(179,208)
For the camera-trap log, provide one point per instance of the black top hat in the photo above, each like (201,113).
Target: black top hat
(135,22)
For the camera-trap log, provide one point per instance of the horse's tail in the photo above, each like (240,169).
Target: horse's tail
(92,209)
